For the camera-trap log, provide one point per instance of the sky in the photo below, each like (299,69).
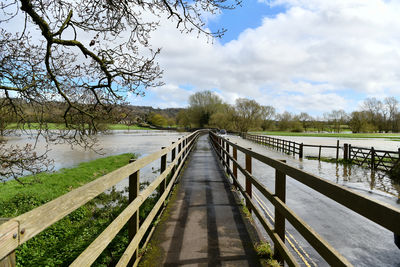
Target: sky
(296,55)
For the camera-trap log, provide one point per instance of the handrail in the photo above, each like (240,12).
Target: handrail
(35,221)
(376,211)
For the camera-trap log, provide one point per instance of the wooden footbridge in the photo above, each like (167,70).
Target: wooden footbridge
(205,225)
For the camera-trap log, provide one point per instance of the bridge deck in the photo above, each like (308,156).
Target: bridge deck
(204,225)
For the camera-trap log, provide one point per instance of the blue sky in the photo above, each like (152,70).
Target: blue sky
(296,55)
(249,15)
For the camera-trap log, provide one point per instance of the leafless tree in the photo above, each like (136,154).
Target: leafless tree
(86,54)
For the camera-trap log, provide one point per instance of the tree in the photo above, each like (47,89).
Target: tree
(269,113)
(248,114)
(223,119)
(183,119)
(157,119)
(376,113)
(305,120)
(392,105)
(360,122)
(288,121)
(202,105)
(336,118)
(87,54)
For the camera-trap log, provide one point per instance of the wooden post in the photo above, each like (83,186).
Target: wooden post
(346,151)
(337,150)
(133,223)
(219,147)
(173,156)
(9,239)
(163,166)
(372,158)
(280,192)
(398,155)
(248,181)
(222,150)
(235,167)
(301,151)
(179,150)
(349,155)
(227,157)
(184,147)
(319,154)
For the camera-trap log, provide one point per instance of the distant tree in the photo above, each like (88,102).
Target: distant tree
(248,114)
(392,106)
(202,105)
(377,114)
(360,122)
(336,119)
(183,119)
(267,121)
(305,120)
(157,119)
(223,119)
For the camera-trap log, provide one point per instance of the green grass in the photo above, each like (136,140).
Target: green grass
(47,186)
(127,127)
(393,136)
(36,126)
(62,242)
(330,160)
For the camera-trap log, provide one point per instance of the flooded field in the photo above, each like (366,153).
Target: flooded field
(355,177)
(139,142)
(377,143)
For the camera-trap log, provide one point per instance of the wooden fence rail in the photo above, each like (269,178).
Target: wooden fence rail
(282,145)
(375,159)
(20,229)
(378,212)
(384,160)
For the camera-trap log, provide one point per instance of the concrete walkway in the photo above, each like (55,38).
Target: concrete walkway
(204,225)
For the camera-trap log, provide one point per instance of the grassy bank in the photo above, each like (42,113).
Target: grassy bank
(60,126)
(393,136)
(61,243)
(127,127)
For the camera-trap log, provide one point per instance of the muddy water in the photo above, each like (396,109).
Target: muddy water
(141,143)
(359,240)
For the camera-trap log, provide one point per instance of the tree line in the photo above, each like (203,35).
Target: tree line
(206,109)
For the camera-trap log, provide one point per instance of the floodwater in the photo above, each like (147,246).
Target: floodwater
(377,143)
(355,177)
(139,142)
(359,240)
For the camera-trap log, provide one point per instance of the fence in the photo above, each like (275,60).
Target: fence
(282,145)
(380,213)
(18,230)
(373,158)
(384,160)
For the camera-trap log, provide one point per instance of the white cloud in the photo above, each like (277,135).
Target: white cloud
(314,51)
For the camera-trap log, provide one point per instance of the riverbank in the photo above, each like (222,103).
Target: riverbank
(60,126)
(392,136)
(61,243)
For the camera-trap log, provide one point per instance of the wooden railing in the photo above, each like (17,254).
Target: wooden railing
(378,212)
(20,229)
(384,160)
(282,145)
(373,158)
